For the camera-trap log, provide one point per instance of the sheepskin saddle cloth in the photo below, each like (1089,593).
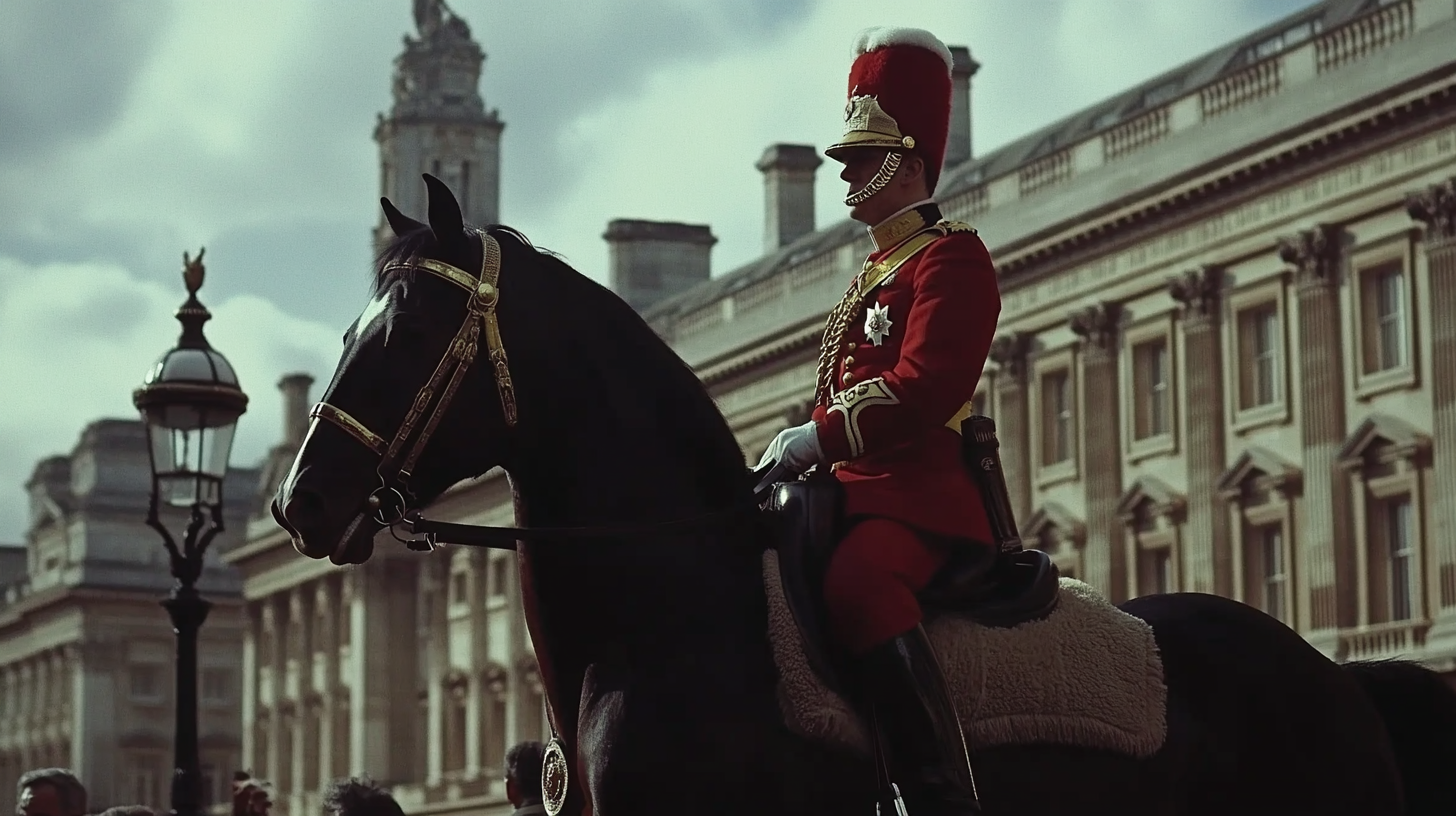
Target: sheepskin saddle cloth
(1088,675)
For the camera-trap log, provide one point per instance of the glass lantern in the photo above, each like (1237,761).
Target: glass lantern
(190,402)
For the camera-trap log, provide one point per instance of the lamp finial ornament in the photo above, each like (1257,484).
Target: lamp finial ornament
(193,271)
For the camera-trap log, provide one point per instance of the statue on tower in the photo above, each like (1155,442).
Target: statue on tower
(428,15)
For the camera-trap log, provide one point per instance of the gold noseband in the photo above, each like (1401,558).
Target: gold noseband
(395,465)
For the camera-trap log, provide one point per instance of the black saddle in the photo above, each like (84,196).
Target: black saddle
(991,588)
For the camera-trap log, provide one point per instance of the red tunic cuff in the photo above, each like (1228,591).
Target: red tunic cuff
(832,439)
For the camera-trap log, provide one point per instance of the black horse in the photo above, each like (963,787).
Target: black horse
(654,648)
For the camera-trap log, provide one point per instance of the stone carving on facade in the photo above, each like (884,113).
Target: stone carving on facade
(1153,497)
(1268,469)
(1009,351)
(1098,325)
(1435,206)
(1198,290)
(495,678)
(1315,255)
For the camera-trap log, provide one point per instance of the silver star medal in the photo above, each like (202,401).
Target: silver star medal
(877,323)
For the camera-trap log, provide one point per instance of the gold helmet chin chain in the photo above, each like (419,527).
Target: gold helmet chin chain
(880,181)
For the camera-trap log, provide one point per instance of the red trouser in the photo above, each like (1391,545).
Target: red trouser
(869,589)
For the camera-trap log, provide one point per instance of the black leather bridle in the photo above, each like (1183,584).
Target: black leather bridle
(392,503)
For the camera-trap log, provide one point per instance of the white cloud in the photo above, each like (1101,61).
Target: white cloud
(247,128)
(79,337)
(683,147)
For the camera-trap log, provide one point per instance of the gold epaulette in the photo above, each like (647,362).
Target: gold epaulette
(952,227)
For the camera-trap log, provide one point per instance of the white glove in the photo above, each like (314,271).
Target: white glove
(797,449)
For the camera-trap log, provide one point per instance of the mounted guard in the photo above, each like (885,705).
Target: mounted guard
(898,366)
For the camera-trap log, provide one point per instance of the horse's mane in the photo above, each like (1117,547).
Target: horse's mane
(655,370)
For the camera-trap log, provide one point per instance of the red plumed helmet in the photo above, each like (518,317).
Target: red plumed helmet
(899,95)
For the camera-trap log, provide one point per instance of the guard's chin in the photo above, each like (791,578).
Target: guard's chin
(356,544)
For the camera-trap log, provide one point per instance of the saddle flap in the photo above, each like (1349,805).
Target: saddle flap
(808,519)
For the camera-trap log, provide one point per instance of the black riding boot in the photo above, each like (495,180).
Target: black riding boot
(904,682)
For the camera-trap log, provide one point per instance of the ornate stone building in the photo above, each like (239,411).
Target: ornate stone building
(439,123)
(87,672)
(1223,364)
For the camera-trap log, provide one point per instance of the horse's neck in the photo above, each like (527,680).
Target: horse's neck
(598,478)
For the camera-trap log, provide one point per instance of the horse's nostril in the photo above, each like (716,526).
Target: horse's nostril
(302,511)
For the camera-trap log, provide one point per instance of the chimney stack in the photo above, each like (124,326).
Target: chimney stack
(653,260)
(958,148)
(788,186)
(295,408)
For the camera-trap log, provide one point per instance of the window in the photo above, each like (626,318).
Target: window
(146,683)
(217,685)
(208,784)
(1399,522)
(1272,592)
(1388,461)
(1056,410)
(142,782)
(456,729)
(459,587)
(500,576)
(1383,329)
(1261,346)
(494,750)
(1152,416)
(1157,571)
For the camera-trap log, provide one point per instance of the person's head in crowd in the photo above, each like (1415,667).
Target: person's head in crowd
(129,810)
(50,792)
(250,795)
(359,797)
(523,773)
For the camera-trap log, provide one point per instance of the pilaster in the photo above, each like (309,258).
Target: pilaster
(276,640)
(1435,208)
(1330,569)
(1207,557)
(1099,327)
(434,584)
(250,758)
(1013,423)
(327,609)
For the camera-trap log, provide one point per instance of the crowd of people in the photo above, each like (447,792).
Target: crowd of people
(60,792)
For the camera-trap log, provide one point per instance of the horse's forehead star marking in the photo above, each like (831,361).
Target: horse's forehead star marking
(372,312)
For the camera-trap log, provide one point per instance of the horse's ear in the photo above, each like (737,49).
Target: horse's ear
(398,221)
(445,218)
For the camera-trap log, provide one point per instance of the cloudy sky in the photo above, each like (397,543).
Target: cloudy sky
(131,131)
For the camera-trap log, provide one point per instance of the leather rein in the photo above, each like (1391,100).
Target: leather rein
(391,504)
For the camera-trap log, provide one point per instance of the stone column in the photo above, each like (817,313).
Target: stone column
(300,653)
(1208,557)
(272,762)
(97,682)
(327,608)
(475,705)
(434,585)
(1435,207)
(1330,571)
(1101,463)
(1013,424)
(250,758)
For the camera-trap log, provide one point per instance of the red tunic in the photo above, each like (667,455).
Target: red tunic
(885,422)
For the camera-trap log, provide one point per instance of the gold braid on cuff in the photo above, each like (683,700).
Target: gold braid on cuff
(880,181)
(852,401)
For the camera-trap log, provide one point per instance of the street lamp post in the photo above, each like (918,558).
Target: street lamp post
(190,402)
